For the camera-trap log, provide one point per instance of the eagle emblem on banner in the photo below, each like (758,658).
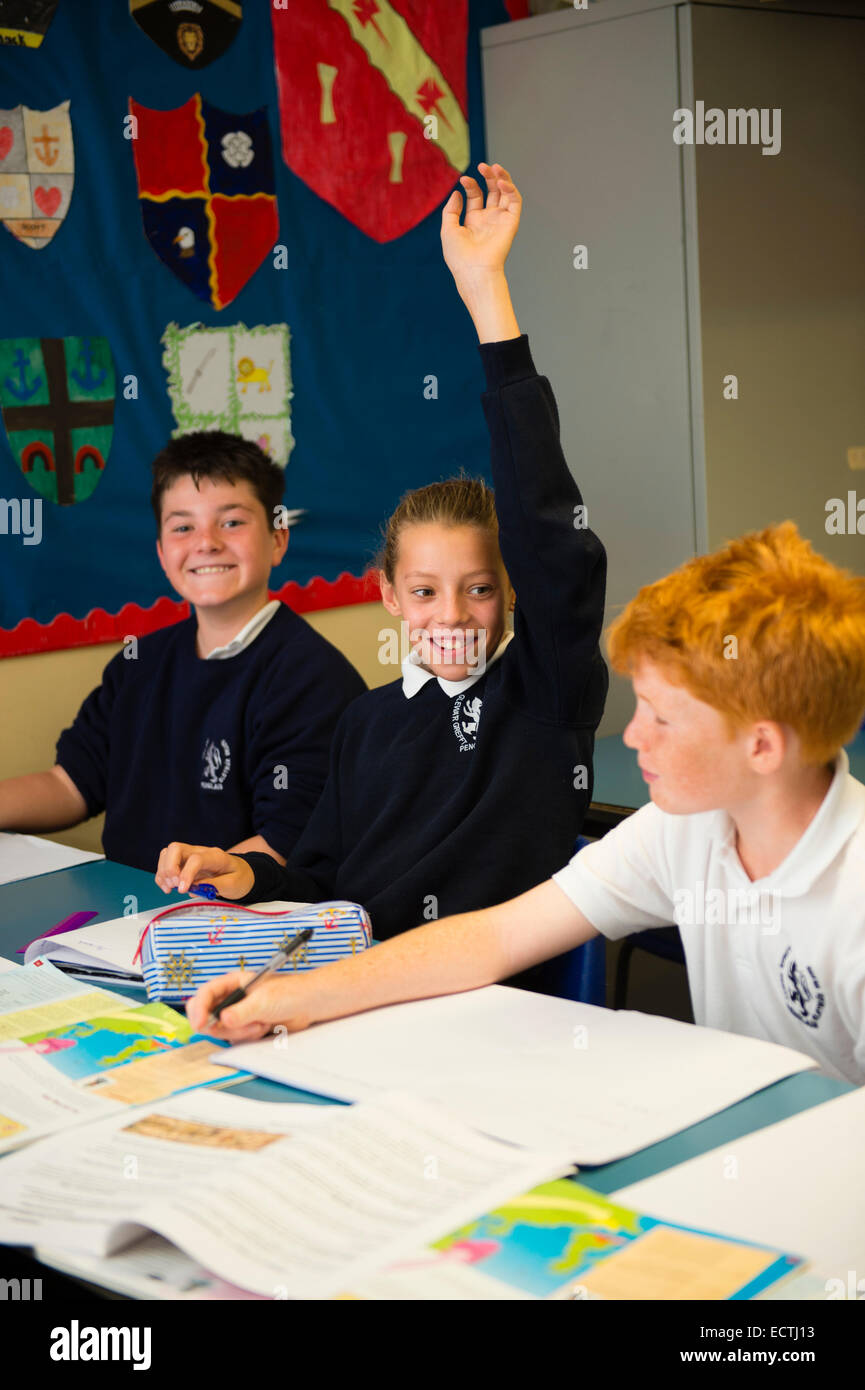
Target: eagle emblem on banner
(207,193)
(234,378)
(37,171)
(25,22)
(57,398)
(192,32)
(372,104)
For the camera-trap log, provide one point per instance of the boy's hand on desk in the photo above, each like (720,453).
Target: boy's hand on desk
(273,1001)
(182,866)
(480,245)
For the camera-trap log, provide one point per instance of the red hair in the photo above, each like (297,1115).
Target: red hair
(764,628)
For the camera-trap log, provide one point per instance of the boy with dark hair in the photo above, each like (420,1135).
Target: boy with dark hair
(222,721)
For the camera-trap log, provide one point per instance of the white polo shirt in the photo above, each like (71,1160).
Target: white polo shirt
(780,958)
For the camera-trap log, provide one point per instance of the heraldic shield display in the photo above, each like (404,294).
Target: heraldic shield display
(372,105)
(208,198)
(236,379)
(37,171)
(25,22)
(57,398)
(192,32)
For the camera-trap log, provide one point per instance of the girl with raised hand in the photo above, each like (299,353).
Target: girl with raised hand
(466,781)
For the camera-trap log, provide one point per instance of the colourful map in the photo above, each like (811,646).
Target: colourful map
(567,1240)
(80,1050)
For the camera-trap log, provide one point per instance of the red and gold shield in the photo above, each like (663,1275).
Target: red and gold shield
(372,104)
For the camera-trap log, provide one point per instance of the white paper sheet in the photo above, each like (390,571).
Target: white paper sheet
(529,1068)
(7,964)
(25,856)
(796,1185)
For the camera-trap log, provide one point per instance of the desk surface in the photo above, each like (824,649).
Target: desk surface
(31,905)
(619,782)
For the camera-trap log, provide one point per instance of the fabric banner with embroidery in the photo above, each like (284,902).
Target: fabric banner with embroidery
(236,379)
(24,23)
(37,171)
(372,105)
(192,32)
(205,181)
(382,389)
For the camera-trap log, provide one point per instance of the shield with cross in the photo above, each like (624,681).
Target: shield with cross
(57,398)
(372,104)
(37,171)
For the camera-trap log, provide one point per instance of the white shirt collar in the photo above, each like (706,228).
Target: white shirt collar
(841,812)
(247,635)
(415,676)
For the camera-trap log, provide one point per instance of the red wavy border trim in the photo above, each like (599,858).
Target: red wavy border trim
(64,631)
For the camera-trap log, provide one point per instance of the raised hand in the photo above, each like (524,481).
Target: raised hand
(476,249)
(482,241)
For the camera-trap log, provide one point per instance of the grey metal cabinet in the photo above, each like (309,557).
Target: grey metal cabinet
(704,263)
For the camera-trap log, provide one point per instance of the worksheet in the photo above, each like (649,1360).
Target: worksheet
(529,1068)
(282,1209)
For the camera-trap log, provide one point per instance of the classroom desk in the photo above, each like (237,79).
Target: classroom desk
(31,905)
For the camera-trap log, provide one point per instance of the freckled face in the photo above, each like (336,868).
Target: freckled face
(452,590)
(684,748)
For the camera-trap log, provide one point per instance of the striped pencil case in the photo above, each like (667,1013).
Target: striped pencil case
(183,947)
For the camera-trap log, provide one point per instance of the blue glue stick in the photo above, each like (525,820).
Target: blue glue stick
(206,890)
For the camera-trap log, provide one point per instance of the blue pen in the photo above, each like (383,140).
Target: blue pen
(206,890)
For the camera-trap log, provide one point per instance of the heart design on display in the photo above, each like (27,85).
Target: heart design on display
(7,139)
(47,200)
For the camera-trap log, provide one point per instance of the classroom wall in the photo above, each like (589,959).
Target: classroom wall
(40,694)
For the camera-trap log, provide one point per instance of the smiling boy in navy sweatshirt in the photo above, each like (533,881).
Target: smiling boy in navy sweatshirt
(222,721)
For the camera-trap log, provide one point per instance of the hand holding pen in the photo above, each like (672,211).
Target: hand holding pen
(275,963)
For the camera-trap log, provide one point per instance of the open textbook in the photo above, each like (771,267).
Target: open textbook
(529,1068)
(70,1053)
(281,1208)
(213,1196)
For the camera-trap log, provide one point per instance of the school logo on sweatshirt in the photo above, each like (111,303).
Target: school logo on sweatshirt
(802,993)
(465,718)
(217,764)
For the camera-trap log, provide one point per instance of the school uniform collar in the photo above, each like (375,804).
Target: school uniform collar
(415,676)
(841,812)
(247,635)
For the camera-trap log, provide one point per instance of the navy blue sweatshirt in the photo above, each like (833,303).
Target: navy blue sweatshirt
(432,807)
(173,747)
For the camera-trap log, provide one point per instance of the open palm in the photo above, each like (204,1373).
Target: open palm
(482,241)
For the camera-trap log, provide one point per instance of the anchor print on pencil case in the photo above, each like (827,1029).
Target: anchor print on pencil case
(192,32)
(207,193)
(372,105)
(24,23)
(37,171)
(57,399)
